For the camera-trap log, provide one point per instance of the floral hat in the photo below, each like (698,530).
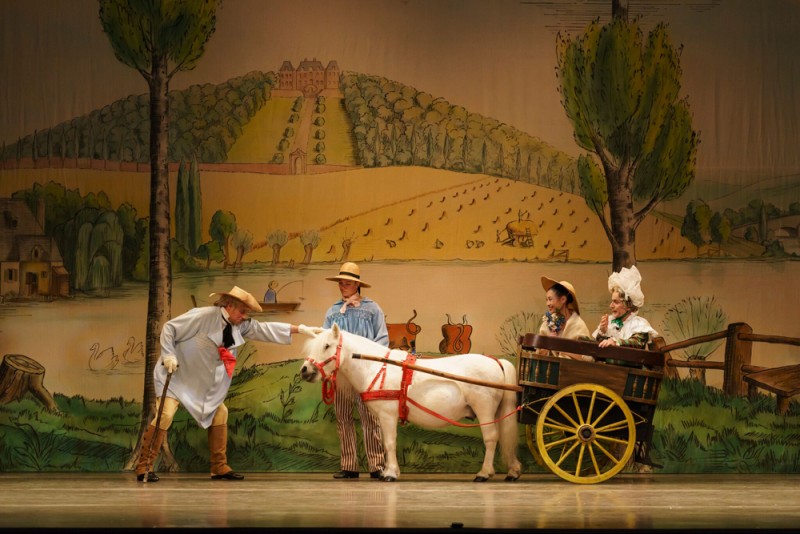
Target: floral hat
(629,280)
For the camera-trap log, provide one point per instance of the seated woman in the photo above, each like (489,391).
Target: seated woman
(563,315)
(623,327)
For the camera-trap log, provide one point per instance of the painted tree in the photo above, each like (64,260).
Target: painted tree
(622,95)
(158,39)
(310,240)
(223,225)
(276,240)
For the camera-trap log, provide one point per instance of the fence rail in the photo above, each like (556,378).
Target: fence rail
(738,354)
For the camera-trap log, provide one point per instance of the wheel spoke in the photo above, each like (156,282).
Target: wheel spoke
(610,407)
(566,415)
(580,460)
(558,427)
(577,409)
(594,461)
(617,425)
(550,444)
(567,453)
(609,439)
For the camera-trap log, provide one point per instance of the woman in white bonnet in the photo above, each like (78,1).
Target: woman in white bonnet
(623,327)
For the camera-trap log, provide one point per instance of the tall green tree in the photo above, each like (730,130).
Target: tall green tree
(621,92)
(158,39)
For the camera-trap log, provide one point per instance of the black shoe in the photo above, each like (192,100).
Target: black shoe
(151,477)
(376,474)
(346,474)
(230,475)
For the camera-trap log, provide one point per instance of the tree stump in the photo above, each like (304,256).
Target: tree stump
(20,374)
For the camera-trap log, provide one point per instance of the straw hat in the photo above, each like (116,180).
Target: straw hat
(241,295)
(349,271)
(547,283)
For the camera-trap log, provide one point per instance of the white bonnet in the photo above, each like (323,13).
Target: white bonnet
(629,281)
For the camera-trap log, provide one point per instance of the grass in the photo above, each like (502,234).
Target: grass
(279,424)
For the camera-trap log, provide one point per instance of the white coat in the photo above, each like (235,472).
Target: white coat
(200,383)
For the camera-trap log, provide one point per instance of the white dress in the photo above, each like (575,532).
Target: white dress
(200,383)
(632,325)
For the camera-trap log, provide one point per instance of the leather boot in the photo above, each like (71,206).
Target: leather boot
(157,439)
(218,449)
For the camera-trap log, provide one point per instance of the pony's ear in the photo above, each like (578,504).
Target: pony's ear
(335,331)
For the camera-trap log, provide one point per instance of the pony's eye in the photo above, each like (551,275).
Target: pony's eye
(327,347)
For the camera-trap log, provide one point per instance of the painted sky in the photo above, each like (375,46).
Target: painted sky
(741,61)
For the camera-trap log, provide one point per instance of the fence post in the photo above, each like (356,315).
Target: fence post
(737,353)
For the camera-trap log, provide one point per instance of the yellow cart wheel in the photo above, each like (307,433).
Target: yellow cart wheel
(550,436)
(585,433)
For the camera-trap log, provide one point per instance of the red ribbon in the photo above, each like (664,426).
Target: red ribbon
(228,359)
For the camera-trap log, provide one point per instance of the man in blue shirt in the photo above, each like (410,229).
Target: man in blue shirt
(361,316)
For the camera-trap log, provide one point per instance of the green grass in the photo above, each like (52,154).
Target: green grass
(279,424)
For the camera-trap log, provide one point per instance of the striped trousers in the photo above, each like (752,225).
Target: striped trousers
(345,400)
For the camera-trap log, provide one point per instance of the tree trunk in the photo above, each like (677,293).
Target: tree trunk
(623,229)
(160,290)
(346,250)
(276,254)
(19,375)
(309,250)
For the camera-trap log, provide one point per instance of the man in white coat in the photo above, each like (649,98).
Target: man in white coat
(200,348)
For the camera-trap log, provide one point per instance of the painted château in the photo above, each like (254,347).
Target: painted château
(310,77)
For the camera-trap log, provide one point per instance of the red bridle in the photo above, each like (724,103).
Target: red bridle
(329,382)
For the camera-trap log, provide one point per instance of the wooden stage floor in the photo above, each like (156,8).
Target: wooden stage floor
(305,501)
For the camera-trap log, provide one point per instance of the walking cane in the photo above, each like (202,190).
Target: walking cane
(158,421)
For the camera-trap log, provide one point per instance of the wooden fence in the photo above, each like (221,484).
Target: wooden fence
(737,366)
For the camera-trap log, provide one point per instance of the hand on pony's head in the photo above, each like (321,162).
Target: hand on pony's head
(310,331)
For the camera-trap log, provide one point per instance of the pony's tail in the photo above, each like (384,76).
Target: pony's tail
(509,435)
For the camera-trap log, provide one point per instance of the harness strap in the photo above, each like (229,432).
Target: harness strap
(495,359)
(456,423)
(401,395)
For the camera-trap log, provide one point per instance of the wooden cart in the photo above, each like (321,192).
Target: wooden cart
(586,419)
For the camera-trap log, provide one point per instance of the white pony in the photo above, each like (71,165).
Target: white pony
(432,401)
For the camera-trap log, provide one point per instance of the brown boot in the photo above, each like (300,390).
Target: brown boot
(218,447)
(148,455)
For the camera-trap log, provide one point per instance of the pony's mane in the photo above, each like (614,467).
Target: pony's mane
(355,338)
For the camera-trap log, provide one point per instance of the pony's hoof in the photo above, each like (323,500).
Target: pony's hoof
(480,479)
(389,479)
(510,478)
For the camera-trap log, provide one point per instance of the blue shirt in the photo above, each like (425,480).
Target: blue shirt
(366,321)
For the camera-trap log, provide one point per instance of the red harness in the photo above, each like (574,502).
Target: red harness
(401,395)
(329,382)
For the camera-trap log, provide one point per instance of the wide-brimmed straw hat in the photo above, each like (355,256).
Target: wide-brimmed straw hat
(547,283)
(241,295)
(349,271)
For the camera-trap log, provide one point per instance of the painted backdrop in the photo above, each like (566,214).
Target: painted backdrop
(458,151)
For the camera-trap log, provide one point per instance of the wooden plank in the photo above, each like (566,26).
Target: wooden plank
(649,358)
(783,381)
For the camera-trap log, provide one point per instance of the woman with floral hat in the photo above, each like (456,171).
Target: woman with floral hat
(623,327)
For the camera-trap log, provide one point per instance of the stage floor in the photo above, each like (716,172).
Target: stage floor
(316,501)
